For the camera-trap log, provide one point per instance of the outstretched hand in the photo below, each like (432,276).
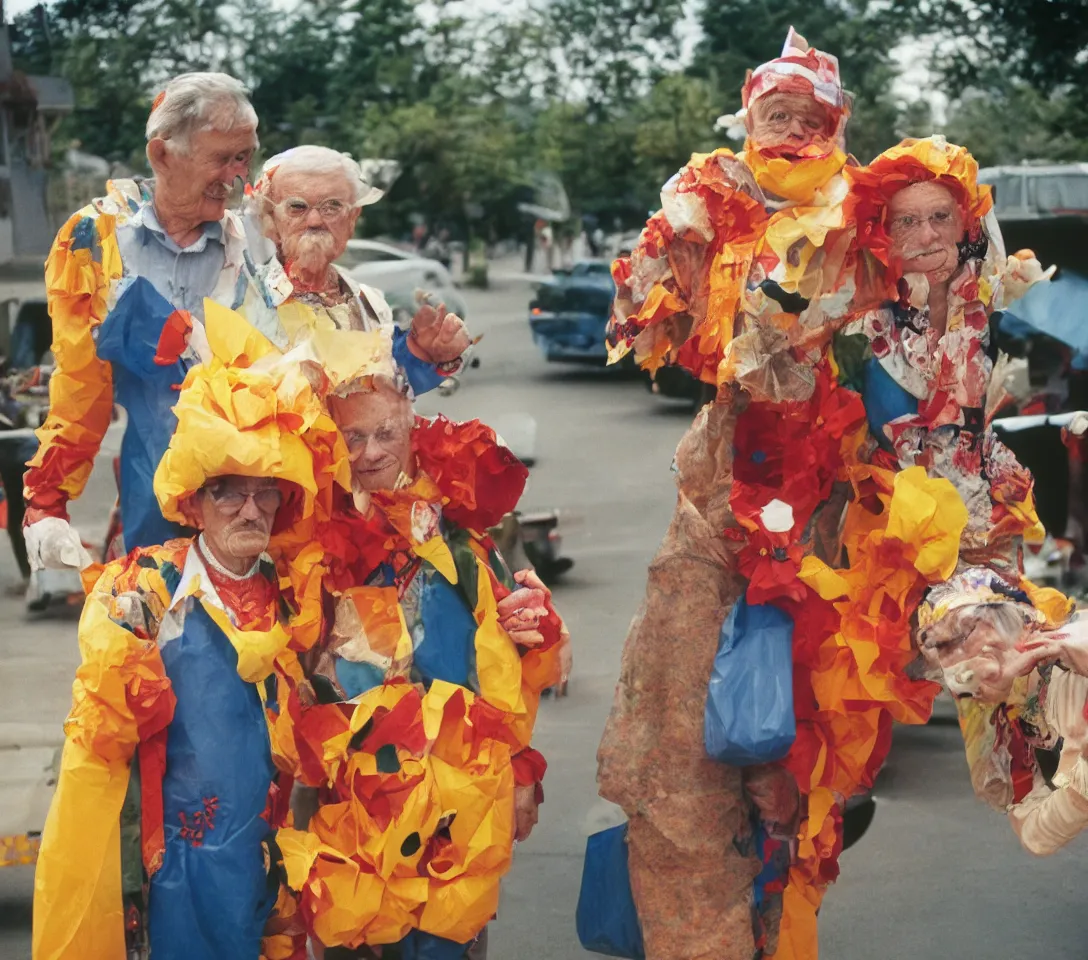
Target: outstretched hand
(437,335)
(526,811)
(521,613)
(1068,644)
(773,791)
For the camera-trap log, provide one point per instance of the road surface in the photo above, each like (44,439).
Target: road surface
(938,875)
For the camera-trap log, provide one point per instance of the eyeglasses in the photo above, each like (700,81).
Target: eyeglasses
(941,220)
(780,120)
(357,440)
(230,501)
(330,210)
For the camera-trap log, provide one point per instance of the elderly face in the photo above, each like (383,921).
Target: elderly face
(976,651)
(198,181)
(788,122)
(377,428)
(925,225)
(236,516)
(313,216)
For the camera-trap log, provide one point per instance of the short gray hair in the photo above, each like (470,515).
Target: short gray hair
(310,158)
(198,101)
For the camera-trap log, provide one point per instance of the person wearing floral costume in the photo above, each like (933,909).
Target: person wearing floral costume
(176,235)
(842,504)
(177,642)
(405,703)
(742,239)
(300,214)
(740,242)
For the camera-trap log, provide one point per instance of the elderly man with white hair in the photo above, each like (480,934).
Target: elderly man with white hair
(305,205)
(175,233)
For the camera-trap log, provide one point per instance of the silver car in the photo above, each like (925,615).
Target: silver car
(399,274)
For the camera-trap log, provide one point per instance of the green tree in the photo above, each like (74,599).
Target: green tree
(607,52)
(116,53)
(1015,71)
(674,121)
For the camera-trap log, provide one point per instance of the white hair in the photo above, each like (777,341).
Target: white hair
(314,159)
(193,102)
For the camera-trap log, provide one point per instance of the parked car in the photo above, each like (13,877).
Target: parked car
(569,312)
(399,274)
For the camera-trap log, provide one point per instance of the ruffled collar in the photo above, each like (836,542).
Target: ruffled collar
(794,180)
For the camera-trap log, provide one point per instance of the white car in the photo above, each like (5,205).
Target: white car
(399,274)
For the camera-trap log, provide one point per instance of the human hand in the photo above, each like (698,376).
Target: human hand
(774,792)
(1022,271)
(53,544)
(521,613)
(1067,644)
(526,811)
(566,657)
(980,650)
(437,335)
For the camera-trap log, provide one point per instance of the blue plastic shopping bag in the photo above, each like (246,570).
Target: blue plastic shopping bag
(606,916)
(749,705)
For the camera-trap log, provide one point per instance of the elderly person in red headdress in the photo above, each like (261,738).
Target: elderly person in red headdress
(1004,648)
(807,459)
(743,244)
(713,263)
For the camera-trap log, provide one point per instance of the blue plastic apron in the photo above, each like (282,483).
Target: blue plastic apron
(128,339)
(212,896)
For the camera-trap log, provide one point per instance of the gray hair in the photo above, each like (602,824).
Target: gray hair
(310,158)
(193,102)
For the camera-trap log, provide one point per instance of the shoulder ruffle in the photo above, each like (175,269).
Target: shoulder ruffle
(479,478)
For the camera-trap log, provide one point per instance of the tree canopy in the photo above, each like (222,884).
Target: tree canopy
(596,93)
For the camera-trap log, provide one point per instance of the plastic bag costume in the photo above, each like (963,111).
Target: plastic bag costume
(174,661)
(117,338)
(812,484)
(408,706)
(82,274)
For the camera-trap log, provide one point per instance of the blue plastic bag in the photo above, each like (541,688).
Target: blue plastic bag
(606,916)
(425,946)
(749,706)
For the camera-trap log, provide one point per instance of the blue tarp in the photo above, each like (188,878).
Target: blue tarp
(1059,309)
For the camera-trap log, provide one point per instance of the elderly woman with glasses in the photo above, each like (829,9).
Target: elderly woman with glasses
(306,204)
(177,642)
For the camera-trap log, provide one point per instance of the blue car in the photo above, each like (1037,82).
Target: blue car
(570,311)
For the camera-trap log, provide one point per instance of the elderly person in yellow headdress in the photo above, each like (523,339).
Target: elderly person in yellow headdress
(177,641)
(407,716)
(305,205)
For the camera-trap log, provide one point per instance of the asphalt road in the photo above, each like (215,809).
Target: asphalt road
(938,875)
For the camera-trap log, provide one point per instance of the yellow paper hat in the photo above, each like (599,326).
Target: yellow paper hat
(249,411)
(344,358)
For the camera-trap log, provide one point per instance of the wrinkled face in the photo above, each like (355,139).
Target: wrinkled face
(313,216)
(925,225)
(199,180)
(236,516)
(788,122)
(975,652)
(377,428)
